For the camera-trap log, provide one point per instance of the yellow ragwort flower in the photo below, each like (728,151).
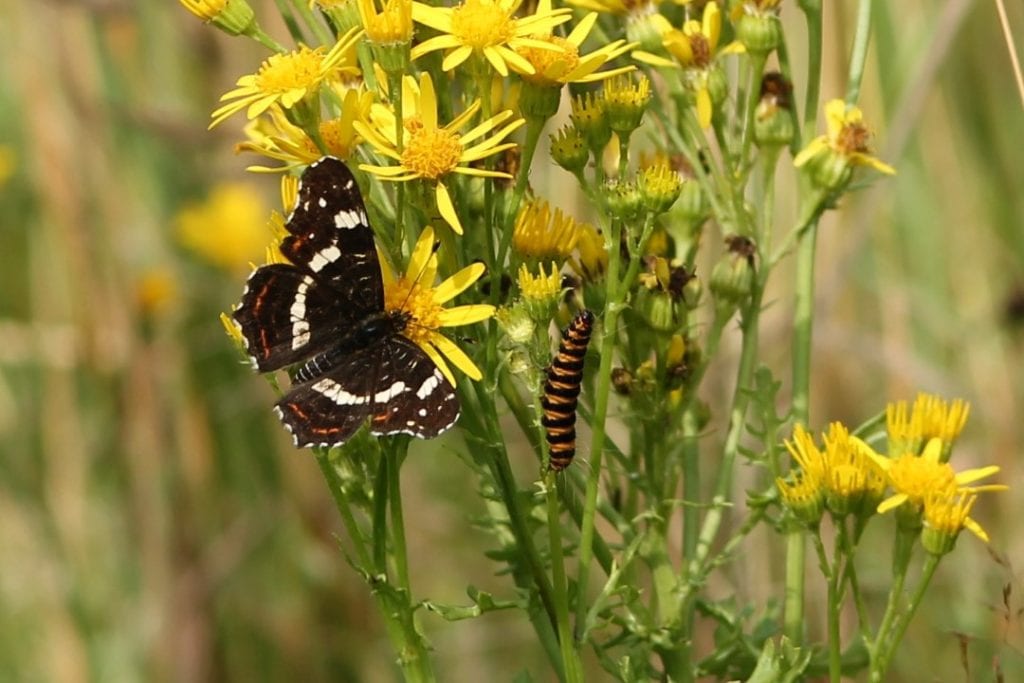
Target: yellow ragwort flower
(914,477)
(563,63)
(430,151)
(416,295)
(847,137)
(541,234)
(944,517)
(593,256)
(487,27)
(695,49)
(287,79)
(393,24)
(276,137)
(540,287)
(227,229)
(234,17)
(804,494)
(930,417)
(850,480)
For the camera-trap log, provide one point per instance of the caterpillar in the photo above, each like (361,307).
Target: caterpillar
(562,388)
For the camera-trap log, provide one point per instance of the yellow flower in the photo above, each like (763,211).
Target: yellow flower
(593,257)
(430,151)
(541,293)
(287,79)
(563,64)
(695,48)
(234,17)
(850,480)
(156,290)
(944,517)
(415,294)
(847,137)
(487,27)
(930,417)
(393,24)
(915,477)
(276,137)
(539,234)
(228,228)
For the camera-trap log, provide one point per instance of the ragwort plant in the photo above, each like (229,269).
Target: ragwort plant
(681,116)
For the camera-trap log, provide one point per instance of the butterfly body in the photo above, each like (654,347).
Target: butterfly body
(323,313)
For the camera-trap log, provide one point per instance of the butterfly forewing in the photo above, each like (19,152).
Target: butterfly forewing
(330,235)
(325,310)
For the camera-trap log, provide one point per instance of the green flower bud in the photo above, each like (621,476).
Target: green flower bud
(626,102)
(659,188)
(569,149)
(590,119)
(759,33)
(623,200)
(539,101)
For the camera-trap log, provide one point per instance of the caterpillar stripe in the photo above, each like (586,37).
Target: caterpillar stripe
(562,388)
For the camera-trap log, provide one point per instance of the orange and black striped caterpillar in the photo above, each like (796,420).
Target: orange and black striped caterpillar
(562,388)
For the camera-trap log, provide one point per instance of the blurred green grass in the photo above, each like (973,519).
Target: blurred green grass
(148,531)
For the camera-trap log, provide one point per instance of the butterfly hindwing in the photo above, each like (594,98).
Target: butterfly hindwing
(394,382)
(426,405)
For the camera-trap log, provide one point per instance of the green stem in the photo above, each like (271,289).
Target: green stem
(379,535)
(859,54)
(602,393)
(570,657)
(902,552)
(756,66)
(289,21)
(264,39)
(880,664)
(812,12)
(321,32)
(835,650)
(334,485)
(803,318)
(737,424)
(534,127)
(393,463)
(396,613)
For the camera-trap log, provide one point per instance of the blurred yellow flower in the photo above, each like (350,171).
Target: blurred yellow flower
(228,229)
(431,151)
(847,136)
(929,417)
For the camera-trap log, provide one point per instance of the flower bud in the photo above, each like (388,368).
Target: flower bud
(569,149)
(590,118)
(626,102)
(759,33)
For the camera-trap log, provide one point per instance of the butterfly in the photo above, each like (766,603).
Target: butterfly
(323,315)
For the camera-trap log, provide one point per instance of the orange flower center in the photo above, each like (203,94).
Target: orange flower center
(701,49)
(430,152)
(418,302)
(853,138)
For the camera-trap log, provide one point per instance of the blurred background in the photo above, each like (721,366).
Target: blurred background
(156,523)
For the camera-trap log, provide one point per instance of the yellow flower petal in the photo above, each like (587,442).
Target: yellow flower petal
(447,208)
(456,355)
(892,502)
(458,283)
(466,315)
